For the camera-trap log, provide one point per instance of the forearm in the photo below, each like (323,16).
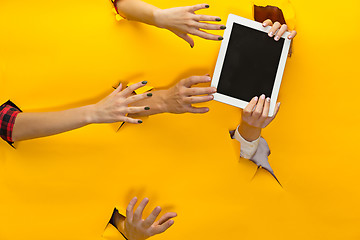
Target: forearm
(137,10)
(249,133)
(35,125)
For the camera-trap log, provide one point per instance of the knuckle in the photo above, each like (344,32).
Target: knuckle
(188,22)
(191,30)
(181,92)
(246,111)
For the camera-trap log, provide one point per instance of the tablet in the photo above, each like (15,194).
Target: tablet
(250,63)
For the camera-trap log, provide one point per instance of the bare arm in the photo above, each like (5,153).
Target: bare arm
(180,20)
(35,125)
(113,108)
(137,10)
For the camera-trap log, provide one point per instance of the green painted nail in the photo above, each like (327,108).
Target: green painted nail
(207,6)
(144,82)
(139,121)
(220,38)
(146,108)
(149,94)
(222,27)
(218,19)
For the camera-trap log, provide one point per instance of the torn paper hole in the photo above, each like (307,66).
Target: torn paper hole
(278,11)
(261,155)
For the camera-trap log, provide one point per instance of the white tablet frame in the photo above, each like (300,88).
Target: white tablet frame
(221,57)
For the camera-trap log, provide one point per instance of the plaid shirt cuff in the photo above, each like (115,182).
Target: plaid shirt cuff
(8,114)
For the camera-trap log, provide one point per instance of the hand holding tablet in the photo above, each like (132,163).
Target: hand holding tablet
(250,63)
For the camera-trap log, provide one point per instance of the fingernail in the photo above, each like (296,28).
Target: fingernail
(139,121)
(222,27)
(262,96)
(277,38)
(271,34)
(208,78)
(212,97)
(255,98)
(146,108)
(207,6)
(279,104)
(289,37)
(220,38)
(264,24)
(144,82)
(268,99)
(218,19)
(191,46)
(214,90)
(149,94)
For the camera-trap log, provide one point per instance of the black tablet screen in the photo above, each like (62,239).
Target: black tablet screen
(250,64)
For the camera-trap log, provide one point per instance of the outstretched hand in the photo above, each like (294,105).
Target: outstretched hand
(179,98)
(183,21)
(115,107)
(137,228)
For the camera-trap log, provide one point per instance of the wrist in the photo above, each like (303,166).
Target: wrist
(158,15)
(90,114)
(161,101)
(248,132)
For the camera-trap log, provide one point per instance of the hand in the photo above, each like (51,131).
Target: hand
(114,108)
(256,113)
(136,228)
(281,29)
(179,98)
(183,21)
(255,116)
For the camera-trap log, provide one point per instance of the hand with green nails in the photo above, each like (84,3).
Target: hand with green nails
(115,107)
(183,21)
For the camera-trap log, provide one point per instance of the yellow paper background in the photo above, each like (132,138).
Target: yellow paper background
(55,55)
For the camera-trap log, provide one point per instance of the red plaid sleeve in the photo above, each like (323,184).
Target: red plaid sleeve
(8,113)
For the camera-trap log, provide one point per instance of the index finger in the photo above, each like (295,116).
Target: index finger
(188,82)
(198,7)
(127,91)
(267,22)
(249,108)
